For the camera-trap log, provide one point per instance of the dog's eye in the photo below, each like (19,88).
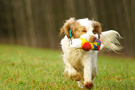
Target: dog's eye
(84,31)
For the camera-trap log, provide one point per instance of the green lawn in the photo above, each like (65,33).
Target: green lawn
(23,68)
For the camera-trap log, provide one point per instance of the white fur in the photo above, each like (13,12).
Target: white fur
(109,40)
(85,62)
(75,43)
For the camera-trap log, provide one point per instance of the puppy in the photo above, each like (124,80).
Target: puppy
(81,65)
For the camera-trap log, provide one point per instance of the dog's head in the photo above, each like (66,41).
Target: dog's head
(82,28)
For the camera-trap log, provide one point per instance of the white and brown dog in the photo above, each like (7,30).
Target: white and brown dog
(81,65)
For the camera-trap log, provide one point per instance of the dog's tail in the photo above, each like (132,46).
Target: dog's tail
(109,40)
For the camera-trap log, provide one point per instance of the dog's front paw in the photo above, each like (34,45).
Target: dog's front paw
(76,77)
(89,84)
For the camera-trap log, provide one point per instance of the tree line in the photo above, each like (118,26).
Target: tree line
(37,22)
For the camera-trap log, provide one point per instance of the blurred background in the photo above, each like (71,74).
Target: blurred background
(36,23)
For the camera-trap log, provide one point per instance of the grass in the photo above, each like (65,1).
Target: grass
(23,68)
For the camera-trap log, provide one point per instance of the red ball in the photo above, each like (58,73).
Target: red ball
(98,47)
(86,46)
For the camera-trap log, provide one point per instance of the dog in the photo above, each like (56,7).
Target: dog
(81,65)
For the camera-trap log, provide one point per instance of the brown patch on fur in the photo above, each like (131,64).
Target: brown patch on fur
(89,85)
(97,28)
(77,29)
(76,77)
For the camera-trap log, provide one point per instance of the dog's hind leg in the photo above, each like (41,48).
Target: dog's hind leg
(80,85)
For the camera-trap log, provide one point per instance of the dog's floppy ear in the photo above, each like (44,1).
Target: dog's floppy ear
(69,25)
(97,28)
